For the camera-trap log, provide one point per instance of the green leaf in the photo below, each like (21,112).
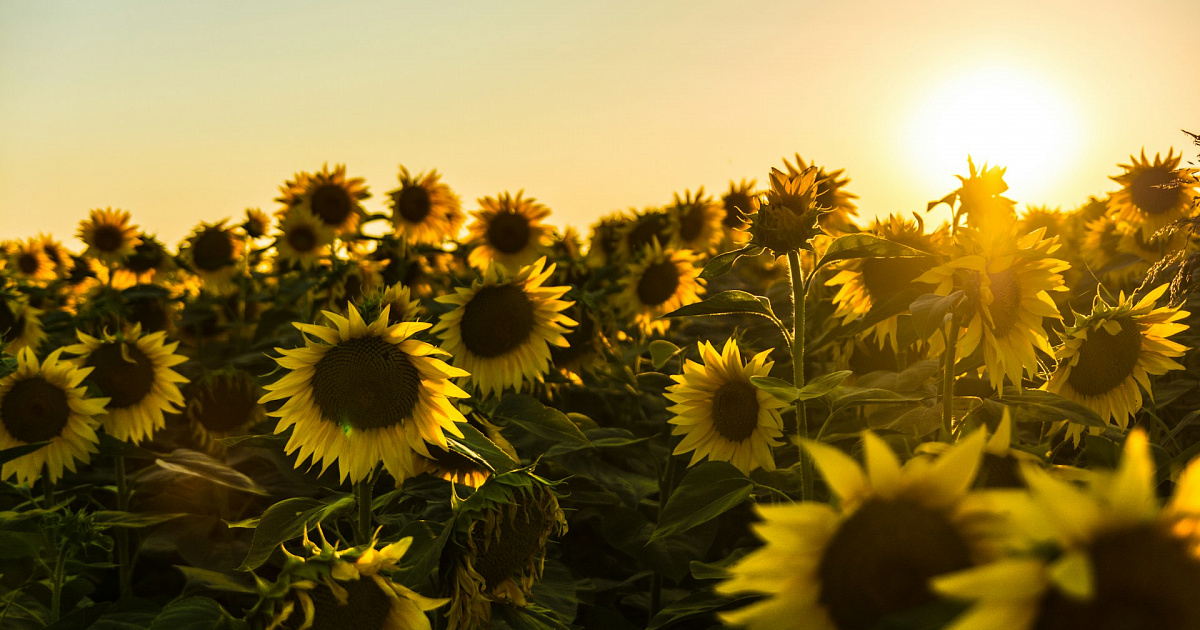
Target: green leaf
(929,311)
(822,385)
(9,454)
(196,613)
(661,351)
(20,544)
(196,464)
(706,492)
(476,446)
(130,520)
(1043,406)
(266,440)
(718,570)
(531,617)
(726,303)
(721,265)
(693,605)
(287,520)
(547,422)
(776,387)
(863,245)
(215,580)
(603,437)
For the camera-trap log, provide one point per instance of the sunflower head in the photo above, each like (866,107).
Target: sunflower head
(508,230)
(660,281)
(214,252)
(148,263)
(328,195)
(20,325)
(303,239)
(788,215)
(585,343)
(644,229)
(402,307)
(424,210)
(604,239)
(108,235)
(221,403)
(30,263)
(839,204)
(739,202)
(1153,194)
(257,223)
(700,221)
(980,201)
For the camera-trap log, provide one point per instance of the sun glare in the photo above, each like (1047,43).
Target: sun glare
(999,116)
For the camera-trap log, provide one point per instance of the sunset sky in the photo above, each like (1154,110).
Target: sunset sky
(181,112)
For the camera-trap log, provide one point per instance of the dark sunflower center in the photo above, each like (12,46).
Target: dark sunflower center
(213,250)
(1006,301)
(28,264)
(887,276)
(108,238)
(508,232)
(1106,360)
(647,229)
(366,608)
(225,403)
(1155,191)
(302,239)
(1144,579)
(11,326)
(880,559)
(658,283)
(497,320)
(332,203)
(34,410)
(737,206)
(999,472)
(519,539)
(691,225)
(735,410)
(146,256)
(413,203)
(124,375)
(366,383)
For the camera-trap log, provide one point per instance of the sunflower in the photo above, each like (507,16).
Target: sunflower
(1006,282)
(134,371)
(502,327)
(331,588)
(257,223)
(149,262)
(20,325)
(788,215)
(108,235)
(1107,355)
(643,229)
(1153,194)
(222,403)
(739,203)
(503,528)
(349,281)
(841,210)
(509,231)
(424,210)
(456,468)
(721,414)
(46,403)
(700,221)
(658,283)
(605,238)
(1101,557)
(59,255)
(328,195)
(865,282)
(303,238)
(848,568)
(1102,254)
(1056,222)
(369,393)
(586,343)
(31,263)
(213,251)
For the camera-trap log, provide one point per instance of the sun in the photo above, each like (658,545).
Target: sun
(998,115)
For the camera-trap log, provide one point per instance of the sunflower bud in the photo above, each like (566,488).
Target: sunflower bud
(787,218)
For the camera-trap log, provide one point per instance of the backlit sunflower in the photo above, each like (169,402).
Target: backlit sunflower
(1101,252)
(502,327)
(134,371)
(20,325)
(739,203)
(979,198)
(1107,357)
(30,262)
(214,253)
(1101,557)
(108,235)
(328,195)
(1006,282)
(721,414)
(303,239)
(424,210)
(643,229)
(368,393)
(788,217)
(841,209)
(509,231)
(848,568)
(864,282)
(502,532)
(330,588)
(222,403)
(660,281)
(700,221)
(1149,250)
(46,403)
(1055,222)
(1153,194)
(257,223)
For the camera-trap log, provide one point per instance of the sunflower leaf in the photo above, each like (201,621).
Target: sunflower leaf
(1043,406)
(130,520)
(196,464)
(476,446)
(708,491)
(727,303)
(9,454)
(531,415)
(196,613)
(693,605)
(214,580)
(776,387)
(288,519)
(661,351)
(720,265)
(930,310)
(864,245)
(822,385)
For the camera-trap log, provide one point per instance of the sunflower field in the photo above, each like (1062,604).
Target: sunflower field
(753,409)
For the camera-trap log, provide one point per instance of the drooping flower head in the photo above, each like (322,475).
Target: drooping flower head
(508,231)
(424,210)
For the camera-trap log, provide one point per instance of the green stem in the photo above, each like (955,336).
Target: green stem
(124,569)
(362,494)
(799,299)
(948,362)
(664,494)
(56,583)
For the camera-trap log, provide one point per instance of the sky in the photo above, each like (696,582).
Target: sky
(182,112)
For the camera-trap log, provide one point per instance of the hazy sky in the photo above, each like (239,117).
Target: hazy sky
(189,111)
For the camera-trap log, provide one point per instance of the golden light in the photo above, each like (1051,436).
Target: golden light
(999,116)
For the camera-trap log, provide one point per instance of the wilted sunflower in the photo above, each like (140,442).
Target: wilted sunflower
(788,214)
(700,221)
(46,403)
(214,251)
(369,393)
(848,568)
(220,404)
(329,589)
(108,235)
(1153,194)
(134,371)
(303,239)
(328,195)
(424,210)
(1110,558)
(1006,283)
(20,325)
(502,327)
(31,263)
(721,414)
(841,210)
(658,283)
(865,282)
(503,528)
(1107,355)
(509,231)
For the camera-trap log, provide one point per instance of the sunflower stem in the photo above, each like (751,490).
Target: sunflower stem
(948,361)
(124,570)
(799,297)
(362,494)
(665,485)
(56,580)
